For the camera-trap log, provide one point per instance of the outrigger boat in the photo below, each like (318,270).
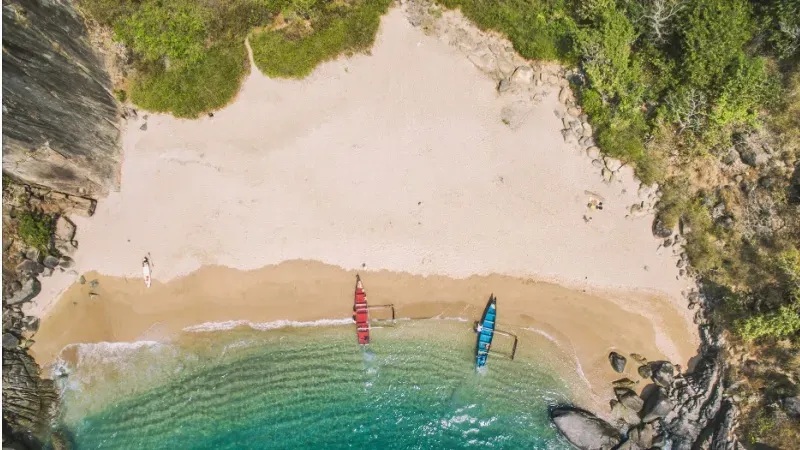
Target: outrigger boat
(361,312)
(486,330)
(361,316)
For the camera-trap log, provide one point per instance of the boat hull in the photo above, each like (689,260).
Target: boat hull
(361,313)
(485,330)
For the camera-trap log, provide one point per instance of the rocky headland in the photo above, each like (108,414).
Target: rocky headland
(677,410)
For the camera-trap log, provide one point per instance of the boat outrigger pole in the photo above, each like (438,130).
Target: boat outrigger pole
(361,312)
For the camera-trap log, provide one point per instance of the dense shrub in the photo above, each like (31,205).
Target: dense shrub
(279,53)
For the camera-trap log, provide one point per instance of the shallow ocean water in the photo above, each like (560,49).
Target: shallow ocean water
(415,386)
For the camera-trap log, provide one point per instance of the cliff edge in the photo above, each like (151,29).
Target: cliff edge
(60,126)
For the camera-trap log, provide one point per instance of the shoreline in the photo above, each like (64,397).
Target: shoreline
(583,326)
(425,178)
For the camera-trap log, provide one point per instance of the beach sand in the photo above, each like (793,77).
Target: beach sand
(583,326)
(396,163)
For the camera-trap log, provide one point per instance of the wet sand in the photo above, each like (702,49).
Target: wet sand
(584,326)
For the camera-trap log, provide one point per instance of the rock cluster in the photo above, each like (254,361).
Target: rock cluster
(21,284)
(585,430)
(29,400)
(677,411)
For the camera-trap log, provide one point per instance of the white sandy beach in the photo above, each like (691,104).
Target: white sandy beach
(395,161)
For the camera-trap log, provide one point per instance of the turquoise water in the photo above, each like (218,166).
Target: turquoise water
(314,387)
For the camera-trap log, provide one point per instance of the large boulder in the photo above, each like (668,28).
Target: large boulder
(617,361)
(623,413)
(522,75)
(51,261)
(645,371)
(660,229)
(10,341)
(629,398)
(657,405)
(585,430)
(29,268)
(30,289)
(642,436)
(663,373)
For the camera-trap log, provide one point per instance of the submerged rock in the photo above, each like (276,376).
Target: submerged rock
(617,361)
(585,430)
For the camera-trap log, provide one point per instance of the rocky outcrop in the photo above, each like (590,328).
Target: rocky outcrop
(680,412)
(59,114)
(28,400)
(585,430)
(698,399)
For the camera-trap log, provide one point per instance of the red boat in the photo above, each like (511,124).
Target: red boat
(361,316)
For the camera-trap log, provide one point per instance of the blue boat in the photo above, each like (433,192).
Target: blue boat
(485,330)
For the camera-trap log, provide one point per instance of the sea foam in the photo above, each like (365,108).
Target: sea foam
(263,326)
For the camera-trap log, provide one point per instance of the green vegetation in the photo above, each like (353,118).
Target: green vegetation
(36,229)
(190,56)
(538,29)
(682,90)
(778,324)
(314,34)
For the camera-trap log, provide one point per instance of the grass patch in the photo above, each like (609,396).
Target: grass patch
(35,230)
(189,90)
(315,36)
